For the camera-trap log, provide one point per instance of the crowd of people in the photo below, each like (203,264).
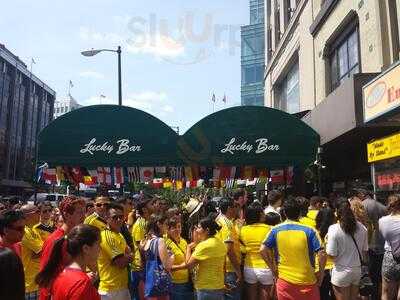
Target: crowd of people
(282,247)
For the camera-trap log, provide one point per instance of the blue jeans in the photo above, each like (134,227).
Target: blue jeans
(210,294)
(231,282)
(182,291)
(136,277)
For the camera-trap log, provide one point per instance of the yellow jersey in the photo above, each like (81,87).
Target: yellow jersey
(295,246)
(310,218)
(138,234)
(112,278)
(179,251)
(252,236)
(44,230)
(210,255)
(31,246)
(229,234)
(96,221)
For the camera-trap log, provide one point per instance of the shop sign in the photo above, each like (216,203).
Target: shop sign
(259,146)
(384,148)
(120,147)
(382,94)
(388,181)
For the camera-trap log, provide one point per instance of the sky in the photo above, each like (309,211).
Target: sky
(175,53)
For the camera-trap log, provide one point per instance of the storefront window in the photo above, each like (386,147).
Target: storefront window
(387,175)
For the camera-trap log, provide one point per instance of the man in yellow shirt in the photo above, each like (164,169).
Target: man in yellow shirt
(45,227)
(114,258)
(310,214)
(98,218)
(144,208)
(31,248)
(229,235)
(289,251)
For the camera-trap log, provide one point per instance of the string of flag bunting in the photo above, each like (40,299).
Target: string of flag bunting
(165,177)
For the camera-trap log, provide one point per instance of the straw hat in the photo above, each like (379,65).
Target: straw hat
(193,206)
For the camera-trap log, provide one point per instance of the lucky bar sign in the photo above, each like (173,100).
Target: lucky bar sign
(259,146)
(122,146)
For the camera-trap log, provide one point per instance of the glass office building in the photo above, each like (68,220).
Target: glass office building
(253,56)
(26,107)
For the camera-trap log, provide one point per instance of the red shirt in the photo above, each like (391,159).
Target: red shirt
(16,248)
(73,284)
(46,253)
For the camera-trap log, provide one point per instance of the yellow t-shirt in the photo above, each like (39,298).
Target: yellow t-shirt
(43,230)
(95,221)
(210,255)
(112,278)
(179,251)
(309,220)
(295,245)
(138,233)
(252,237)
(31,246)
(229,234)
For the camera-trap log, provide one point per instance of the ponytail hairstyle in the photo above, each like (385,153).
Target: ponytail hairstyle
(325,218)
(346,217)
(209,225)
(73,243)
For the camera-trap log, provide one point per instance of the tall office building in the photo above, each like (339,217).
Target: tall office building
(253,56)
(26,107)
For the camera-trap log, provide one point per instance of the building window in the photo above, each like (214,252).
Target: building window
(252,74)
(344,59)
(57,110)
(288,96)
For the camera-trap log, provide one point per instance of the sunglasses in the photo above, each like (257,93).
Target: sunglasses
(102,204)
(17,228)
(118,217)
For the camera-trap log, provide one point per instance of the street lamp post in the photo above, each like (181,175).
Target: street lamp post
(94,52)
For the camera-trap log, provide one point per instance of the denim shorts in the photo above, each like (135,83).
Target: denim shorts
(210,294)
(182,291)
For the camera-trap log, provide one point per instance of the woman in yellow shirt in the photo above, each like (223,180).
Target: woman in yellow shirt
(207,253)
(325,218)
(182,286)
(258,277)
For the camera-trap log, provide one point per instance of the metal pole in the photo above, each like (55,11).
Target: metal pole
(119,77)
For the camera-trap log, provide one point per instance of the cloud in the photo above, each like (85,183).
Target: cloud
(157,44)
(155,103)
(91,74)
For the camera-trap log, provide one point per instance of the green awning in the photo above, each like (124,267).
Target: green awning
(108,135)
(249,135)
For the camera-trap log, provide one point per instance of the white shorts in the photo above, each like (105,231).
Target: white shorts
(263,276)
(115,295)
(345,276)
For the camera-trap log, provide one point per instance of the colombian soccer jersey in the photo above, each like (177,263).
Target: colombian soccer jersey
(295,246)
(179,251)
(96,221)
(112,278)
(138,234)
(252,237)
(31,246)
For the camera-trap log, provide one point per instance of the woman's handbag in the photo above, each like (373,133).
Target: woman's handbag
(158,280)
(366,285)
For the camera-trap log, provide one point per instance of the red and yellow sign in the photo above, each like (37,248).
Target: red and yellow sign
(382,95)
(384,148)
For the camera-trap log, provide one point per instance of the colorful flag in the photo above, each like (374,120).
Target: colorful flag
(160,172)
(133,174)
(188,173)
(49,176)
(179,185)
(118,173)
(60,174)
(176,173)
(77,175)
(93,175)
(167,184)
(157,183)
(216,173)
(213,98)
(104,175)
(227,172)
(277,176)
(146,174)
(224,99)
(289,175)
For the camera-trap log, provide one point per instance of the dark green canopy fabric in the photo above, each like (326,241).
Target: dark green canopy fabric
(249,135)
(108,135)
